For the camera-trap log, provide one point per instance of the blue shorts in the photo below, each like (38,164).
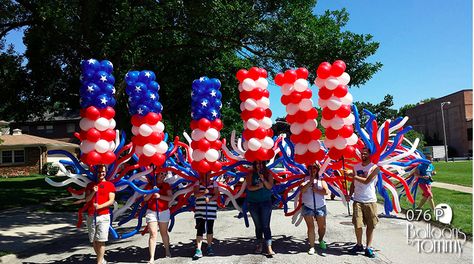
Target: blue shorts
(321,211)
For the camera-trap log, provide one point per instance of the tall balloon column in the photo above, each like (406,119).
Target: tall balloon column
(301,115)
(256,114)
(97,124)
(335,100)
(145,107)
(206,125)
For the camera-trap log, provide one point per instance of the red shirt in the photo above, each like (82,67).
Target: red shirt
(162,204)
(100,197)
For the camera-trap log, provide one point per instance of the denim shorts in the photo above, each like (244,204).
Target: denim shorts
(321,211)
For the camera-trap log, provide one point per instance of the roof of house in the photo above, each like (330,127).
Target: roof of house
(29,140)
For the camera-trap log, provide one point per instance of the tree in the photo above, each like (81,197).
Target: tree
(179,40)
(403,110)
(382,110)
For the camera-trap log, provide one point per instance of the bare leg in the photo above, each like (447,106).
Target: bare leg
(165,237)
(310,226)
(358,232)
(369,235)
(100,252)
(432,204)
(153,230)
(209,237)
(198,242)
(321,220)
(422,202)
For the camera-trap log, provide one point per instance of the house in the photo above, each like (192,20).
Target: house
(22,154)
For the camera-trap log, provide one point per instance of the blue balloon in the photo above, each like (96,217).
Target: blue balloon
(205,104)
(196,84)
(216,103)
(112,101)
(89,65)
(87,76)
(158,107)
(219,95)
(85,102)
(214,83)
(91,89)
(100,76)
(151,97)
(109,89)
(102,101)
(106,66)
(131,76)
(110,79)
(146,76)
(139,89)
(153,86)
(142,110)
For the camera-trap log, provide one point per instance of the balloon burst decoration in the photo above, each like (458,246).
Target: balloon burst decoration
(256,114)
(335,100)
(145,107)
(206,124)
(97,100)
(301,115)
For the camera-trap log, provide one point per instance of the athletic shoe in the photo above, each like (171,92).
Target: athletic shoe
(322,245)
(198,254)
(369,253)
(356,248)
(210,251)
(311,251)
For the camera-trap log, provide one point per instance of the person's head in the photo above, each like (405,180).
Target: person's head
(313,170)
(160,176)
(429,157)
(365,154)
(258,165)
(101,172)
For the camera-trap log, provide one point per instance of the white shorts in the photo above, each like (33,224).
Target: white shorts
(164,216)
(100,230)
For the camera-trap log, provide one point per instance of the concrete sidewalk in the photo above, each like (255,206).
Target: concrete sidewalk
(39,237)
(453,187)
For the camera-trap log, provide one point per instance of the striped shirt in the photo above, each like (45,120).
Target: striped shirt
(202,210)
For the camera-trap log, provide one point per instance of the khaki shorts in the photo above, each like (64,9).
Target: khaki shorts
(364,214)
(100,230)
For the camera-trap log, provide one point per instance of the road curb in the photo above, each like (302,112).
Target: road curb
(10,259)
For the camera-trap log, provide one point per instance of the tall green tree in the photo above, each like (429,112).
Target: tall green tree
(179,40)
(382,110)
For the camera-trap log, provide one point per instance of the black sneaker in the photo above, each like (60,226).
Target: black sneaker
(369,253)
(355,249)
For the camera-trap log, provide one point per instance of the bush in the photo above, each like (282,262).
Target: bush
(50,169)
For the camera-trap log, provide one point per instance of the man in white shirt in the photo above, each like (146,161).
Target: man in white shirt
(365,201)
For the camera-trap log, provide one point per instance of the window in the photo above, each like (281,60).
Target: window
(12,156)
(71,128)
(49,129)
(40,127)
(469,134)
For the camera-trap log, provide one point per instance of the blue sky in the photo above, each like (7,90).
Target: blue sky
(425,46)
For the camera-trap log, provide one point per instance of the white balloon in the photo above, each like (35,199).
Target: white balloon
(149,150)
(286,89)
(267,143)
(101,124)
(329,143)
(102,146)
(347,99)
(322,103)
(212,134)
(331,83)
(300,148)
(344,79)
(240,87)
(145,130)
(340,142)
(264,102)
(310,125)
(135,130)
(296,128)
(314,146)
(250,104)
(301,85)
(261,83)
(112,124)
(242,106)
(87,146)
(252,124)
(139,150)
(86,124)
(334,103)
(266,122)
(306,104)
(212,155)
(352,140)
(324,122)
(112,146)
(349,120)
(319,82)
(162,147)
(248,84)
(254,144)
(337,123)
(197,134)
(291,109)
(198,155)
(245,145)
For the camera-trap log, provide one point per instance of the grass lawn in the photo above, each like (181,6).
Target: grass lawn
(32,190)
(459,172)
(461,204)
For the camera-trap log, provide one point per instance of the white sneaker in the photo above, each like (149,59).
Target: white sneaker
(311,251)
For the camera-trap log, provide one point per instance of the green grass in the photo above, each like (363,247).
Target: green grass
(33,190)
(461,204)
(454,172)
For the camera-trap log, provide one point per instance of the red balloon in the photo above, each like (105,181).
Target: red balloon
(346,131)
(260,133)
(295,138)
(340,91)
(290,76)
(328,114)
(137,120)
(194,145)
(92,113)
(108,157)
(307,94)
(152,118)
(266,93)
(270,154)
(305,137)
(247,134)
(300,116)
(258,113)
(312,114)
(290,119)
(302,73)
(241,75)
(246,115)
(331,133)
(216,166)
(268,112)
(349,152)
(324,70)
(343,111)
(144,160)
(285,99)
(295,97)
(279,79)
(107,112)
(334,153)
(261,154)
(244,95)
(82,112)
(217,124)
(203,166)
(93,158)
(250,155)
(158,159)
(270,133)
(263,73)
(324,93)
(93,135)
(108,134)
(299,158)
(139,140)
(341,63)
(254,73)
(320,155)
(216,144)
(193,124)
(316,134)
(204,124)
(83,135)
(204,145)
(256,93)
(337,69)
(155,138)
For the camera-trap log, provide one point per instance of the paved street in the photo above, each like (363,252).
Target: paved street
(51,238)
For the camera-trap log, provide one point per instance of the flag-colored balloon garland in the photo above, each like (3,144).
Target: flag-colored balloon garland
(335,100)
(206,124)
(97,100)
(256,114)
(301,115)
(145,107)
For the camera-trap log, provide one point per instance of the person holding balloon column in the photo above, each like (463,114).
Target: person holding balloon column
(205,213)
(365,201)
(259,198)
(158,214)
(100,195)
(314,206)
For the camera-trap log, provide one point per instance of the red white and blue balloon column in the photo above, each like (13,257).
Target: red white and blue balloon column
(97,100)
(256,114)
(301,115)
(145,107)
(206,124)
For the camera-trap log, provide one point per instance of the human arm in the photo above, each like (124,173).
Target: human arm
(90,193)
(324,190)
(108,203)
(251,187)
(366,180)
(216,194)
(351,192)
(267,180)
